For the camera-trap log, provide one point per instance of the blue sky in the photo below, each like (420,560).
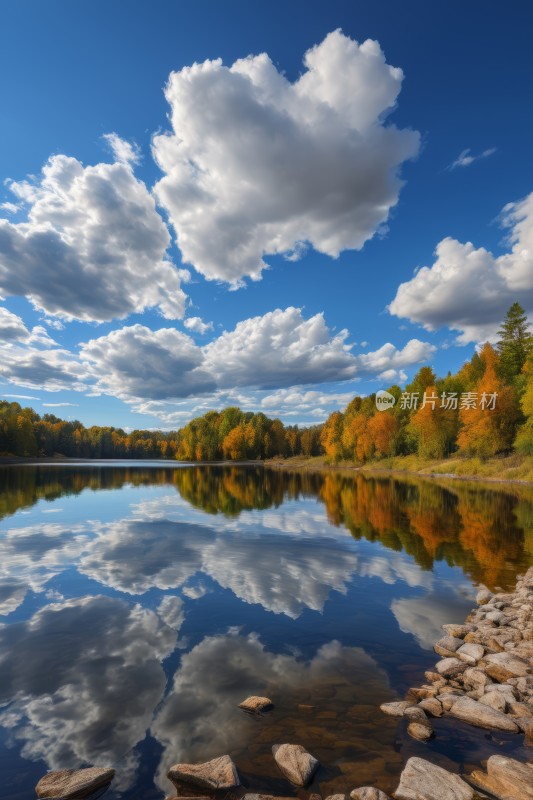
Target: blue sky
(340,174)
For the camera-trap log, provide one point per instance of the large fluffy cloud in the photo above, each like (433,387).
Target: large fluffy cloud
(67,672)
(138,362)
(258,165)
(149,369)
(277,350)
(280,348)
(93,246)
(469,289)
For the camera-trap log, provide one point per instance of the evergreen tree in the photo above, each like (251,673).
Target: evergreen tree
(515,342)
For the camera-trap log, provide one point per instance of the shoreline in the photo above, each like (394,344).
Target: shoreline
(485,679)
(315,464)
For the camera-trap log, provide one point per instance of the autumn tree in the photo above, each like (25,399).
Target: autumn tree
(488,423)
(331,436)
(434,425)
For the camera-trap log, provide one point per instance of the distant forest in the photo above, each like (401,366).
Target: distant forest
(486,408)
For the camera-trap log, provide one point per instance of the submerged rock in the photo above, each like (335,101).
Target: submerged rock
(420,730)
(368,793)
(73,783)
(506,779)
(251,796)
(421,780)
(220,773)
(295,762)
(256,704)
(481,716)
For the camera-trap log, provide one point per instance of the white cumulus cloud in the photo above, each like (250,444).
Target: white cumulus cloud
(257,165)
(469,289)
(93,247)
(197,325)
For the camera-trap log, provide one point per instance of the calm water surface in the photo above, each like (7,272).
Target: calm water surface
(140,603)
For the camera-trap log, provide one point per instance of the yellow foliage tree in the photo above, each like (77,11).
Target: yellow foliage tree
(488,426)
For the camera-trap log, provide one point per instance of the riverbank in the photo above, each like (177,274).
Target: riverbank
(507,469)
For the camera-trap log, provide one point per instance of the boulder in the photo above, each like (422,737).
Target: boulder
(220,773)
(506,779)
(526,725)
(421,780)
(336,797)
(450,667)
(481,716)
(368,793)
(256,705)
(395,709)
(483,596)
(252,796)
(502,666)
(447,646)
(497,617)
(495,700)
(470,652)
(73,783)
(295,762)
(458,631)
(432,706)
(415,713)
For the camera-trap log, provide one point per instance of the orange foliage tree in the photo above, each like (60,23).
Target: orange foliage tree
(487,430)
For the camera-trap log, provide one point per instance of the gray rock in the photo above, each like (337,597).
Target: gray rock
(368,793)
(252,796)
(256,705)
(73,783)
(470,652)
(506,779)
(336,797)
(395,709)
(447,646)
(481,716)
(458,631)
(497,617)
(483,596)
(450,667)
(295,762)
(475,679)
(219,773)
(421,780)
(432,706)
(495,700)
(502,666)
(415,713)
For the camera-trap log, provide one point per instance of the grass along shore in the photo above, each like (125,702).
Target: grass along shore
(512,468)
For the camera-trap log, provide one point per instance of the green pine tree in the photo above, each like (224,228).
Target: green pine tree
(515,342)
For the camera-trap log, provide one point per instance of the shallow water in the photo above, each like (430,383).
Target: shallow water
(140,603)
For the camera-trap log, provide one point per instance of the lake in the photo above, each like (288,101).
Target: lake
(140,602)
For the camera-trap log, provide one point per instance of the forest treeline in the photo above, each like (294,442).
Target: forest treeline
(486,408)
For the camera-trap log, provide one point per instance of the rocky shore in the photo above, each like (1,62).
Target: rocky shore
(484,677)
